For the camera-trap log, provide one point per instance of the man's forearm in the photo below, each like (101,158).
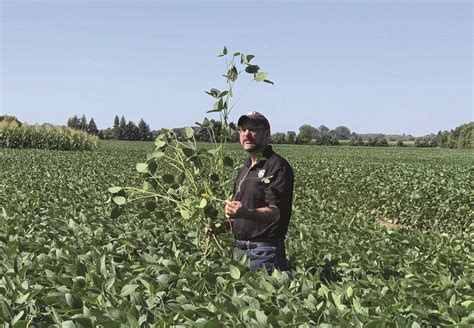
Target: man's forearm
(266,214)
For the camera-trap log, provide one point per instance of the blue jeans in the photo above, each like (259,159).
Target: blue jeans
(269,257)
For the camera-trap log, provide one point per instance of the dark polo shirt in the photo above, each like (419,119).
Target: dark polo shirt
(269,182)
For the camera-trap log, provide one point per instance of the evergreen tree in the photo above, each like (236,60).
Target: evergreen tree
(121,128)
(115,128)
(73,123)
(143,130)
(131,131)
(83,123)
(92,127)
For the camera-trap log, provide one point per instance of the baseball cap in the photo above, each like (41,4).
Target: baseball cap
(255,117)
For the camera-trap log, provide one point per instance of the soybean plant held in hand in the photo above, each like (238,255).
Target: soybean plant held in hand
(190,179)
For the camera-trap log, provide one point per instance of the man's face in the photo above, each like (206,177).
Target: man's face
(254,137)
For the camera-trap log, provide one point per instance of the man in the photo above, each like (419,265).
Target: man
(263,194)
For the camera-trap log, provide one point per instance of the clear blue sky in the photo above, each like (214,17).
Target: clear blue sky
(373,66)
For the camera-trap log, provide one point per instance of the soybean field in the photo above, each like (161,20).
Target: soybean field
(379,237)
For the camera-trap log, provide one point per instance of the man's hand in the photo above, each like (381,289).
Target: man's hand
(234,208)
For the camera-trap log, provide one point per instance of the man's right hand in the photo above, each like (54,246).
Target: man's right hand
(234,208)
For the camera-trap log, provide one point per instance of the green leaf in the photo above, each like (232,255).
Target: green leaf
(152,166)
(17,317)
(223,93)
(155,154)
(128,290)
(349,292)
(252,69)
(142,167)
(116,212)
(7,311)
(114,190)
(167,178)
(68,324)
(261,317)
(232,73)
(469,305)
(119,200)
(22,299)
(223,52)
(234,271)
(260,76)
(214,323)
(185,214)
(73,302)
(203,203)
(22,324)
(150,205)
(83,321)
(228,161)
(213,92)
(188,152)
(159,143)
(189,132)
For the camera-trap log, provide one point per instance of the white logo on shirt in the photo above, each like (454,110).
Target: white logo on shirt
(261,173)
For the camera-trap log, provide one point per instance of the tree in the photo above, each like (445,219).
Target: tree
(92,127)
(121,128)
(353,141)
(180,136)
(235,133)
(83,123)
(143,130)
(278,138)
(116,127)
(323,129)
(334,141)
(400,143)
(342,132)
(371,142)
(306,134)
(381,142)
(203,134)
(107,134)
(131,131)
(73,123)
(290,137)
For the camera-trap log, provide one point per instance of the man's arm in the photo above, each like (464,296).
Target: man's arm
(234,209)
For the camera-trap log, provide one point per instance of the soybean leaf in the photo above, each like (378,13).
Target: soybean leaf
(119,200)
(261,76)
(114,190)
(252,69)
(189,132)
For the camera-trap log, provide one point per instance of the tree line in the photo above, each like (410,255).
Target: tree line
(121,129)
(460,137)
